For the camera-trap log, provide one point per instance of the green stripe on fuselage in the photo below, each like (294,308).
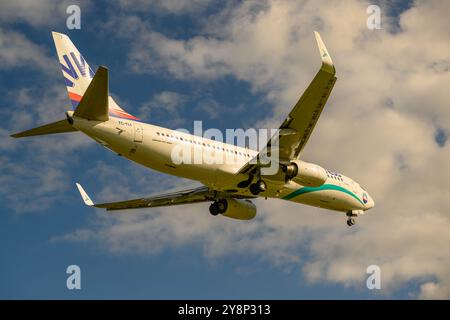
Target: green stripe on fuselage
(321,188)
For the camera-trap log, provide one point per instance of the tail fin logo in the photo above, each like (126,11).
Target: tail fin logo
(69,69)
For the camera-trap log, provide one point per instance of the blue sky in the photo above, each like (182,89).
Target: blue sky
(44,227)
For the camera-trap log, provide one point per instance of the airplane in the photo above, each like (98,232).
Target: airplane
(229,187)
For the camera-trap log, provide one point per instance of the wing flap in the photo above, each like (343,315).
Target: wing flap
(186,197)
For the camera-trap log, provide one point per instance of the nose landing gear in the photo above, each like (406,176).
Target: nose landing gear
(351,218)
(351,222)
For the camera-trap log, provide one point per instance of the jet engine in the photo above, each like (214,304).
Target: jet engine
(305,173)
(234,208)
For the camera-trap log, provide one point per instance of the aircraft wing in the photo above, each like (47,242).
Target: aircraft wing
(296,129)
(200,194)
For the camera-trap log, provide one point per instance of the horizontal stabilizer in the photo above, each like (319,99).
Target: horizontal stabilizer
(94,104)
(60,126)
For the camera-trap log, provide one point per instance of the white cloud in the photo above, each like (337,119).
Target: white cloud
(166,103)
(36,169)
(433,290)
(210,108)
(165,6)
(16,50)
(37,13)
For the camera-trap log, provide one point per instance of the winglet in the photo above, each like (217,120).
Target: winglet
(84,195)
(327,63)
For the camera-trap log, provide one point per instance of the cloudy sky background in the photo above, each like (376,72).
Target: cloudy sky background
(243,64)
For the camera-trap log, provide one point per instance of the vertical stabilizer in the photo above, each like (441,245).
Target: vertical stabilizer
(76,71)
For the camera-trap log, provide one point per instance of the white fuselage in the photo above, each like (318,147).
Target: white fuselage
(152,146)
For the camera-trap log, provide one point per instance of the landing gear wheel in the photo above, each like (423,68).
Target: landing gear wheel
(222,205)
(213,209)
(351,222)
(258,187)
(254,189)
(217,207)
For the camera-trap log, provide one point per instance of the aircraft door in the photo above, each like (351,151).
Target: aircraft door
(138,132)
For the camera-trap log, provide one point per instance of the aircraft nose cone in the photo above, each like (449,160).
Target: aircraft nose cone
(368,202)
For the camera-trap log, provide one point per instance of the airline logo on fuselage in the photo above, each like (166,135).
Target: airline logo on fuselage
(364,198)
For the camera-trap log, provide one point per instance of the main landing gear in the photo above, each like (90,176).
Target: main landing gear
(259,186)
(351,218)
(219,206)
(255,188)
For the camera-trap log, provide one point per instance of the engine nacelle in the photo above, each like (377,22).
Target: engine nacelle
(240,209)
(305,173)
